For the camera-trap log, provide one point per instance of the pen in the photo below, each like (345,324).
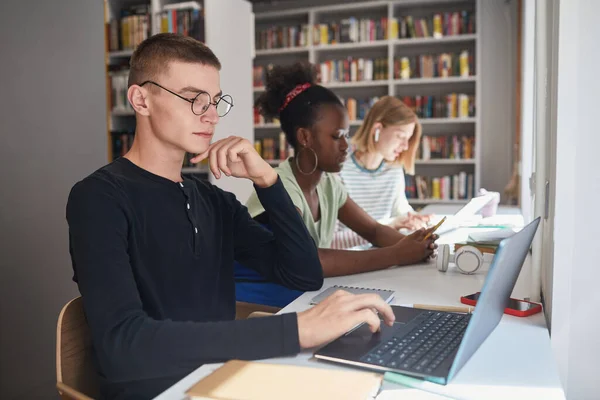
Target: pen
(466,310)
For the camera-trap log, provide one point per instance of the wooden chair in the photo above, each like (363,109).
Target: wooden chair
(76,376)
(259,314)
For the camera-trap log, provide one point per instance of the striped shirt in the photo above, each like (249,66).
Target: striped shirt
(379,192)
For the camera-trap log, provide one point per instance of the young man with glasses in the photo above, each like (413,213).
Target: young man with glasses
(153,251)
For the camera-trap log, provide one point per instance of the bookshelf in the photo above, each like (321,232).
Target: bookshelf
(202,19)
(284,37)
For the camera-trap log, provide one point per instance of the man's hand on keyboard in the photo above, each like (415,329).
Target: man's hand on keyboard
(338,314)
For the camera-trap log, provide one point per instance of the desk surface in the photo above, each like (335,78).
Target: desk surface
(514,362)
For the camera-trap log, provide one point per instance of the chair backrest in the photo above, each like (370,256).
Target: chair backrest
(76,375)
(243,309)
(260,314)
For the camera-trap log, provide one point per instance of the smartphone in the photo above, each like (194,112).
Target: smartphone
(435,227)
(518,308)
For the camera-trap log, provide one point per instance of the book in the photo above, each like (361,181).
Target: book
(251,380)
(386,295)
(483,247)
(455,187)
(353,70)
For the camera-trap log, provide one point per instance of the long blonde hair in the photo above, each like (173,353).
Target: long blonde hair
(390,111)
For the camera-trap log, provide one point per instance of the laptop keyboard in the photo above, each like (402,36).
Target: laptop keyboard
(425,347)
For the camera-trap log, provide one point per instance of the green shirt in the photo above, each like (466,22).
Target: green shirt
(332,196)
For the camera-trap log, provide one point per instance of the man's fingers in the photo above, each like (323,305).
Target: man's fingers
(221,153)
(372,301)
(237,147)
(213,158)
(222,157)
(206,153)
(369,317)
(196,159)
(216,160)
(337,294)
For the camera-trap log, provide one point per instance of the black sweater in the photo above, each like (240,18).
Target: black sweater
(153,260)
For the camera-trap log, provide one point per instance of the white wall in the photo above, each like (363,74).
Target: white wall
(234,52)
(52,133)
(498,111)
(576,299)
(527,106)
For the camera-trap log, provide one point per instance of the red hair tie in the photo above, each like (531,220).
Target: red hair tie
(295,92)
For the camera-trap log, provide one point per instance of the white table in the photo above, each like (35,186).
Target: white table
(515,362)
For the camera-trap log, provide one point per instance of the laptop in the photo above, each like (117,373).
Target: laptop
(464,215)
(435,345)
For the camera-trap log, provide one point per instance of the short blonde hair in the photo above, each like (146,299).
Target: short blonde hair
(390,111)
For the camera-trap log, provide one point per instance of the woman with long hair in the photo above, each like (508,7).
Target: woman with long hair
(385,147)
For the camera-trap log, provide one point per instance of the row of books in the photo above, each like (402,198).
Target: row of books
(134,24)
(130,29)
(118,92)
(460,186)
(259,74)
(361,69)
(274,149)
(278,37)
(358,108)
(452,105)
(437,25)
(435,66)
(187,22)
(447,147)
(350,30)
(353,70)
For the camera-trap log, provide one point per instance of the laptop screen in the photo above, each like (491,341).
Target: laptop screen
(474,206)
(495,294)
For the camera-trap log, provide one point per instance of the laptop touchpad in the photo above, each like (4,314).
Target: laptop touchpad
(405,314)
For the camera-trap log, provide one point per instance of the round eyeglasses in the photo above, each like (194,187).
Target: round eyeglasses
(202,101)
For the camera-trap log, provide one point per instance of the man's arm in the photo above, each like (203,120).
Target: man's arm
(129,344)
(288,255)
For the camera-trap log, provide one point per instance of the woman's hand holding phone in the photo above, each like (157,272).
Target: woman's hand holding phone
(434,228)
(414,248)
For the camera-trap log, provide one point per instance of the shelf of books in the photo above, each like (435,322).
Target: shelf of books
(127,24)
(422,51)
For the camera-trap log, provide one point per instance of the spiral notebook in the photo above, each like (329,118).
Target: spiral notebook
(386,295)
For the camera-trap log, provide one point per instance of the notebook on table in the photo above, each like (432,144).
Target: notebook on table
(386,295)
(249,380)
